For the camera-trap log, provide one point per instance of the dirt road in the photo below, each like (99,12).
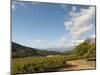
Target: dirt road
(79,65)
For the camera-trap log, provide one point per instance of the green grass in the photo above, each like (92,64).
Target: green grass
(37,64)
(41,64)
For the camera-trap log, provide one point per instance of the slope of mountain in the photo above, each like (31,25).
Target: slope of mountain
(23,51)
(60,49)
(91,41)
(86,48)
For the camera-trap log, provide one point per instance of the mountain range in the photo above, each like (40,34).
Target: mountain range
(23,51)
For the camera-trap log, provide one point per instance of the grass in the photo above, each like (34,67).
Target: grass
(37,64)
(44,64)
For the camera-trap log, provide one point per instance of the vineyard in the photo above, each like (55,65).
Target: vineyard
(38,64)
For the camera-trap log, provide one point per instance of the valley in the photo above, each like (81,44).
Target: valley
(30,60)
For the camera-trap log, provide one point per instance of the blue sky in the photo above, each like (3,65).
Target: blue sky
(43,25)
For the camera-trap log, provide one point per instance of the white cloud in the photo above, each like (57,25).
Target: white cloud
(76,42)
(13,7)
(39,41)
(93,36)
(73,12)
(68,25)
(62,42)
(65,42)
(81,22)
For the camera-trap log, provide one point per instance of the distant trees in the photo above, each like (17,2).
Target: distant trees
(19,51)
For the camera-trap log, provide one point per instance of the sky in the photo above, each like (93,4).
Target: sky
(50,25)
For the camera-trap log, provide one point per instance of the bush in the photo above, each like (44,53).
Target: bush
(37,64)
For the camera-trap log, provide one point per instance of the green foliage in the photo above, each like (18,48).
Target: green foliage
(70,52)
(91,51)
(37,64)
(85,49)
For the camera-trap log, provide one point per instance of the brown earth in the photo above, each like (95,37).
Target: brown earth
(81,64)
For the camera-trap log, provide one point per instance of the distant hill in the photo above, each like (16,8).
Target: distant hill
(23,51)
(91,41)
(61,49)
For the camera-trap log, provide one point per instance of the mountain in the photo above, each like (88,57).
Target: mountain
(60,49)
(68,49)
(86,49)
(91,41)
(23,51)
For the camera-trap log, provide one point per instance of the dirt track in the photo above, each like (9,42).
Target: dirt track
(79,65)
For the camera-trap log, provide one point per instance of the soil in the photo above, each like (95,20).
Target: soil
(81,64)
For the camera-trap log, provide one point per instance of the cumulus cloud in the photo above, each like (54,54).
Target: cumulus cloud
(76,42)
(65,42)
(81,22)
(73,12)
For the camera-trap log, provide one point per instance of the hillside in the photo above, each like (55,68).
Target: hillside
(86,48)
(91,41)
(23,51)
